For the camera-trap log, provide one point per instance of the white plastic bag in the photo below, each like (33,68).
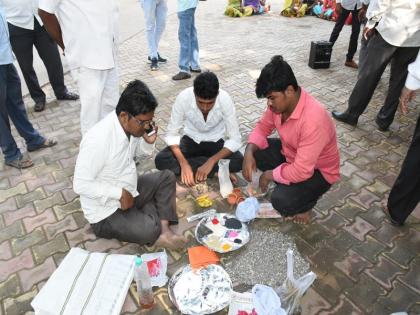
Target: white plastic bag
(225,184)
(157,265)
(293,289)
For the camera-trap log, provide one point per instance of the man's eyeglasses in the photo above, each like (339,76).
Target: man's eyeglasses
(144,123)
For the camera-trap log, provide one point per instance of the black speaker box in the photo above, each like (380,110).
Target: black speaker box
(320,55)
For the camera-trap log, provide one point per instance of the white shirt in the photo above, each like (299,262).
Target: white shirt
(398,21)
(21,13)
(90,31)
(413,78)
(221,120)
(104,167)
(350,4)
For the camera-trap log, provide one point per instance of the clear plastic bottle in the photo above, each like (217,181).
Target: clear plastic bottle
(144,286)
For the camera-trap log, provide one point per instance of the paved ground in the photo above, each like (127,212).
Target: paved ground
(364,264)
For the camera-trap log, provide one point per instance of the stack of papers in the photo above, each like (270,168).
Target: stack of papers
(86,283)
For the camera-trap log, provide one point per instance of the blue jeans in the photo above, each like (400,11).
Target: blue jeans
(11,105)
(155,12)
(188,42)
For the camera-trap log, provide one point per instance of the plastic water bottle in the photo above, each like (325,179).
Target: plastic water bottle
(144,286)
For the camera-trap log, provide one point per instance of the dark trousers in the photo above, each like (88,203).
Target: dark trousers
(294,198)
(22,41)
(405,194)
(141,223)
(379,54)
(355,30)
(363,51)
(12,106)
(196,154)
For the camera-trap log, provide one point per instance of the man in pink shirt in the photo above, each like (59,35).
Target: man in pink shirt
(304,162)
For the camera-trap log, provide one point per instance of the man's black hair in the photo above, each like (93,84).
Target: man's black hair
(276,76)
(206,85)
(136,99)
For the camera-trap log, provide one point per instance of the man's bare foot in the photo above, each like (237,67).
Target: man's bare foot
(171,240)
(301,218)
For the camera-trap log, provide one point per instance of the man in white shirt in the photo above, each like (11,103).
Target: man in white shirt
(87,31)
(394,31)
(26,30)
(207,114)
(343,9)
(116,202)
(405,194)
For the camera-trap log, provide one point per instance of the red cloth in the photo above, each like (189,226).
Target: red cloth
(308,139)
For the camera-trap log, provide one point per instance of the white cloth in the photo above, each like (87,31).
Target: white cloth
(107,294)
(221,120)
(99,94)
(350,4)
(90,31)
(21,13)
(398,21)
(266,301)
(413,78)
(104,167)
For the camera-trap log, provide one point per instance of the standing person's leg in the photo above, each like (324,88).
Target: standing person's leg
(399,64)
(194,50)
(354,38)
(362,53)
(48,51)
(161,14)
(378,56)
(184,36)
(22,41)
(17,112)
(91,85)
(111,92)
(405,193)
(149,9)
(8,144)
(339,25)
(296,200)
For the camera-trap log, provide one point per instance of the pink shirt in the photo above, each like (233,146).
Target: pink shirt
(308,140)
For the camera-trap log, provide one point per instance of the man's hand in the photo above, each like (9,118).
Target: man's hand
(204,170)
(248,166)
(151,139)
(187,175)
(265,179)
(407,96)
(126,200)
(368,32)
(338,8)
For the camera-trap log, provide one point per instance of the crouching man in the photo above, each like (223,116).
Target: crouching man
(304,160)
(116,202)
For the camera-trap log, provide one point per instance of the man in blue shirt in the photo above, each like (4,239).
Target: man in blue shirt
(188,42)
(12,106)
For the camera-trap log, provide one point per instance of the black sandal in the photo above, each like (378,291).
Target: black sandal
(47,144)
(20,163)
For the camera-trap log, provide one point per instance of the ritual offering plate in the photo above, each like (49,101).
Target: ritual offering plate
(202,291)
(222,232)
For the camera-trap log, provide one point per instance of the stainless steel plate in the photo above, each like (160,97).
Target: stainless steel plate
(222,232)
(203,291)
